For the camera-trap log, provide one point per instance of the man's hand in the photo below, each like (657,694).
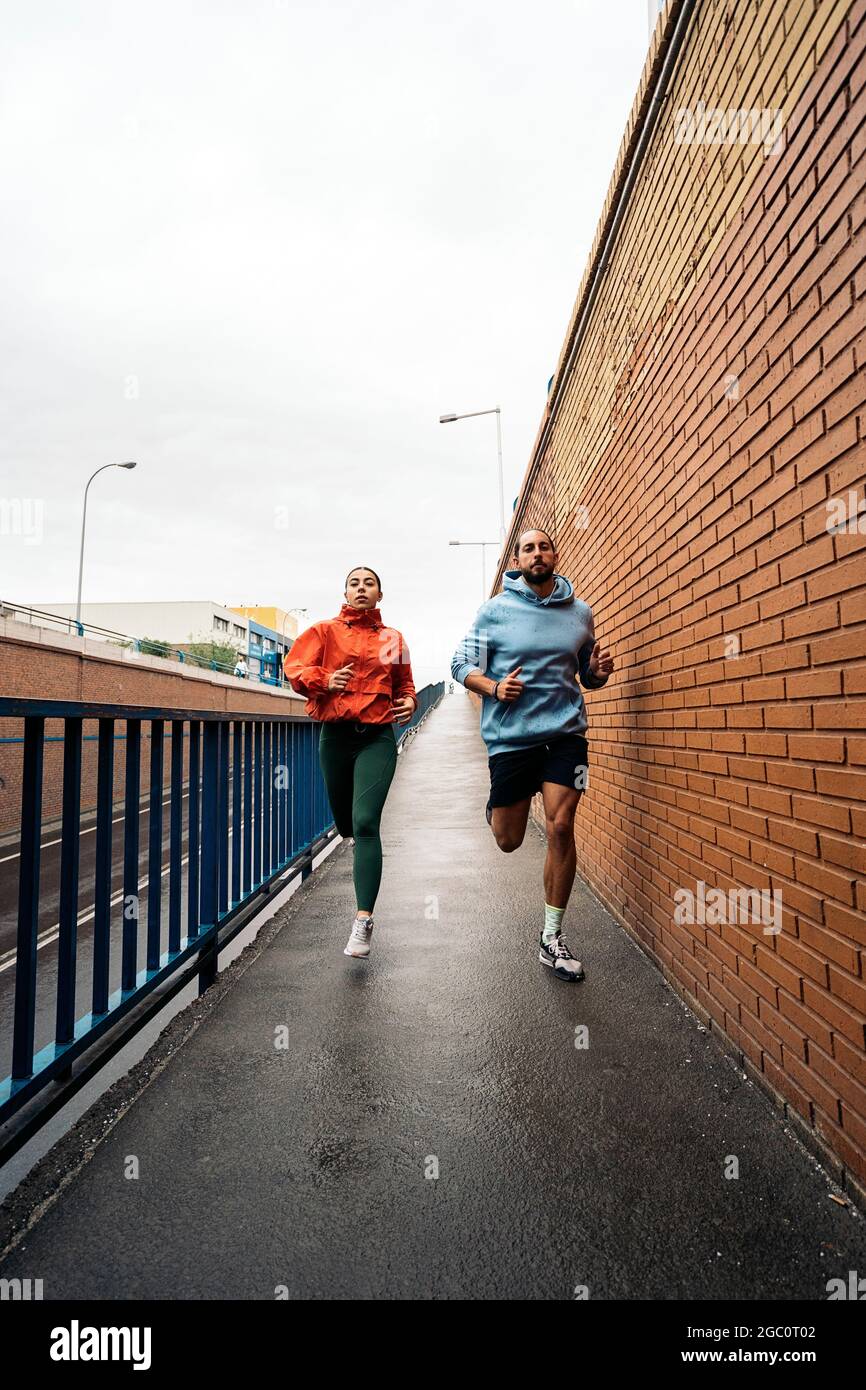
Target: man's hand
(340,678)
(402,709)
(600,660)
(510,688)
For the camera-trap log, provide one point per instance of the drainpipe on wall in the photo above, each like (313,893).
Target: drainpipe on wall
(671,51)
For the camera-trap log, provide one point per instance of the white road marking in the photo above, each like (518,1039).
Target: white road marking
(8,959)
(87,831)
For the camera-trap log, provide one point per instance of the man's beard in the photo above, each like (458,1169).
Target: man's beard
(537,576)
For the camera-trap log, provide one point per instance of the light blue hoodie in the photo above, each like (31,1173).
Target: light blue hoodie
(552,639)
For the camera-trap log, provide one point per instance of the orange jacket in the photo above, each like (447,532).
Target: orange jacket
(380,661)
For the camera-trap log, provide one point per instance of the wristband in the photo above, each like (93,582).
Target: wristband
(494,690)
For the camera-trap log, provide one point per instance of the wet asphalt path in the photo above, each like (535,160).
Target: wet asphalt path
(292,1140)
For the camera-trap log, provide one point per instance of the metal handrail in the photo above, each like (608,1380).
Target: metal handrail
(108,634)
(256,813)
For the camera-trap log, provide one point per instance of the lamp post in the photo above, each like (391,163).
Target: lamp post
(301,612)
(482,544)
(83,525)
(470,415)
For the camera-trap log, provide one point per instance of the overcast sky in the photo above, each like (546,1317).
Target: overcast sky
(259,246)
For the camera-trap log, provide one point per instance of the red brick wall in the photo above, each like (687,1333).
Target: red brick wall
(715,409)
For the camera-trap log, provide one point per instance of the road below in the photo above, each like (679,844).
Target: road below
(49,914)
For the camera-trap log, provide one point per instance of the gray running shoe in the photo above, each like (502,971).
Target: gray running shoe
(556,954)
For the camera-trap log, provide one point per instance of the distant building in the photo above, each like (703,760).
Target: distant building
(276,619)
(261,635)
(272,632)
(179,622)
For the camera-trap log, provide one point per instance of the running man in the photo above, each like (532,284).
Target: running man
(523,655)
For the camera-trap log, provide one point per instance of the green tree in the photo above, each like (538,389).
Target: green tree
(204,653)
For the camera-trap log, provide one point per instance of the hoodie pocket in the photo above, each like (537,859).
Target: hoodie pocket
(507,707)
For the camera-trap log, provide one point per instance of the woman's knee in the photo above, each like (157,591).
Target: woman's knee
(365,827)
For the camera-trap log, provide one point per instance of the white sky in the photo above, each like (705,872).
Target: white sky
(306,230)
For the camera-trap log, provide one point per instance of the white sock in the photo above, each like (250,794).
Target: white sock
(552,921)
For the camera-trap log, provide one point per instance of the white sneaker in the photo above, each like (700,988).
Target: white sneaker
(556,954)
(359,942)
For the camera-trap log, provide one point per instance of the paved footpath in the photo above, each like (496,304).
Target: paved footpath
(452,1050)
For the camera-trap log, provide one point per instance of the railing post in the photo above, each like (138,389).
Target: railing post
(192,870)
(267,786)
(70,833)
(237,767)
(248,806)
(102,887)
(154,846)
(306,771)
(293,789)
(209,851)
(28,898)
(175,837)
(131,818)
(283,800)
(223,817)
(257,807)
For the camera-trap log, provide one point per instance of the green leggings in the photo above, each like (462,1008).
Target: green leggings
(358,765)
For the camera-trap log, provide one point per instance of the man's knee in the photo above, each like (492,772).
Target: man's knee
(509,840)
(560,835)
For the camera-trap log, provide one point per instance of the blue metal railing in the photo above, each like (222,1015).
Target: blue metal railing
(428,698)
(256,812)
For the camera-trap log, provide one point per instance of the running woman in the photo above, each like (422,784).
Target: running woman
(357,678)
(523,655)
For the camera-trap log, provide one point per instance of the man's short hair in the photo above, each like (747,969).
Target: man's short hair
(526,531)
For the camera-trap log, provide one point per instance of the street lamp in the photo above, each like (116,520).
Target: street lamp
(470,415)
(482,544)
(83,524)
(301,612)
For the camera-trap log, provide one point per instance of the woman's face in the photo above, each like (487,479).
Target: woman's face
(362,589)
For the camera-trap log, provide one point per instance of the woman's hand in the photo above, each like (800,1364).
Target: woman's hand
(402,709)
(340,678)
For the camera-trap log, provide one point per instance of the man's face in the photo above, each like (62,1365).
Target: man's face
(536,557)
(362,590)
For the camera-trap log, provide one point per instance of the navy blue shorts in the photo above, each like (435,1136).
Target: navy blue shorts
(515,776)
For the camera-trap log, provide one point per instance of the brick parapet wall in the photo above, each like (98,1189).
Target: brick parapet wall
(38,664)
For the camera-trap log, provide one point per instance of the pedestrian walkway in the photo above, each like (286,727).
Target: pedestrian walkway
(310,1167)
